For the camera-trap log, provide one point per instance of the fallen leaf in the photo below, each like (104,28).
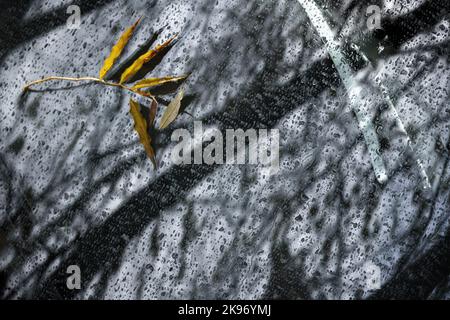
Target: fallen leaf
(140,125)
(139,62)
(143,93)
(152,113)
(172,110)
(151,82)
(117,49)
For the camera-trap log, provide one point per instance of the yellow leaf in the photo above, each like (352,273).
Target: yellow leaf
(140,125)
(117,49)
(143,93)
(172,110)
(139,62)
(151,82)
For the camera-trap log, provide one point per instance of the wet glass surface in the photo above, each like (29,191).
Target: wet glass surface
(358,206)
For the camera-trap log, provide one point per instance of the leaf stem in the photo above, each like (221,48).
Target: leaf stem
(93,79)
